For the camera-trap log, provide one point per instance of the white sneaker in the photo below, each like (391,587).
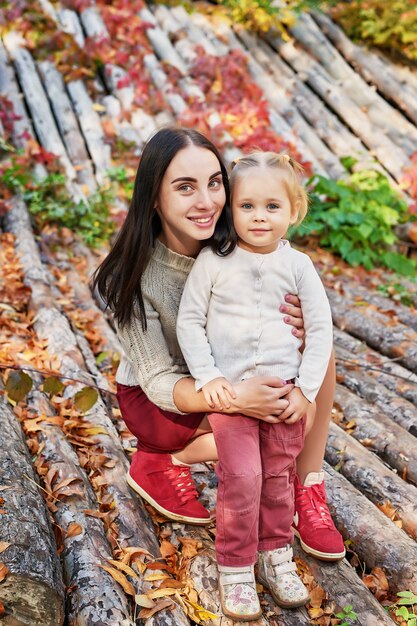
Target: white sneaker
(238,597)
(278,573)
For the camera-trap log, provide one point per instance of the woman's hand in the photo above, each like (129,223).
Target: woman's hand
(261,397)
(294,315)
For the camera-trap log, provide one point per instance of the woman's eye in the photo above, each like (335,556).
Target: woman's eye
(185,188)
(215,184)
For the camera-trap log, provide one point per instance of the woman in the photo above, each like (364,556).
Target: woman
(180,190)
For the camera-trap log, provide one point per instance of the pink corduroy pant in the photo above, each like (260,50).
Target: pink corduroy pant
(255,499)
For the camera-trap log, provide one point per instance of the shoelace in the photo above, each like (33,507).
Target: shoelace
(180,477)
(311,500)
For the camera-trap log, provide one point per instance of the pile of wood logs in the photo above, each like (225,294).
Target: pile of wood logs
(67,516)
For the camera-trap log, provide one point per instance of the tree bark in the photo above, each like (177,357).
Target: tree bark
(381,114)
(345,587)
(368,474)
(390,155)
(8,89)
(388,372)
(371,67)
(33,590)
(375,538)
(395,395)
(311,146)
(371,325)
(37,102)
(134,527)
(91,128)
(68,124)
(378,433)
(93,596)
(340,140)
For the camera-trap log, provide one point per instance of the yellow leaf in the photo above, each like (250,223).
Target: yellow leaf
(94,430)
(156,577)
(161,593)
(120,578)
(4,545)
(202,612)
(143,600)
(125,568)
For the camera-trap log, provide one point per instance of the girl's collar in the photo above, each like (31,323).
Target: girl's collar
(283,245)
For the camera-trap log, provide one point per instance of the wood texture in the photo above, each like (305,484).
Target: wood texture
(33,590)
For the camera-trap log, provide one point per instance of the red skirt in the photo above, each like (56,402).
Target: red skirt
(156,430)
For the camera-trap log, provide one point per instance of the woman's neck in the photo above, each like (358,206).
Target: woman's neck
(189,248)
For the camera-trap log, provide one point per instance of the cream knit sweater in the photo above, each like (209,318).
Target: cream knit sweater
(153,359)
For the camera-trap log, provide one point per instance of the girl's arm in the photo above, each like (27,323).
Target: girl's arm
(192,319)
(319,332)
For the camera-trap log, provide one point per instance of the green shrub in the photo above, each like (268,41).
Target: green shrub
(356,218)
(388,25)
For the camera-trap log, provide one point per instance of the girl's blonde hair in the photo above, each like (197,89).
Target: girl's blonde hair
(290,170)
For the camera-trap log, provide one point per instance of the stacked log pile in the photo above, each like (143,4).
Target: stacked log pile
(109,545)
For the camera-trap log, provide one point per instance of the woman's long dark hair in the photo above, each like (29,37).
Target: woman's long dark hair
(118,278)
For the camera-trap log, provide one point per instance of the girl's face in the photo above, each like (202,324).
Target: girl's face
(190,200)
(261,209)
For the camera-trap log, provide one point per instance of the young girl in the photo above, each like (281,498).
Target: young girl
(230,328)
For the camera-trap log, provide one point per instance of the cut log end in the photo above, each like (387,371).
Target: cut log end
(29,602)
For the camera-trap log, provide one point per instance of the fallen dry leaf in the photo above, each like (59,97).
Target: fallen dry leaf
(377,582)
(125,568)
(120,578)
(74,530)
(164,603)
(4,545)
(4,570)
(167,549)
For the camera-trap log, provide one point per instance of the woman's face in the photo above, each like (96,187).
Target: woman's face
(190,200)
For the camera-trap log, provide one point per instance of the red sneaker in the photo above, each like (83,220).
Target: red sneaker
(167,487)
(313,524)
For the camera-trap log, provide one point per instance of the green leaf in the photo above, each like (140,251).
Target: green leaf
(52,385)
(18,385)
(407,594)
(402,612)
(102,357)
(85,399)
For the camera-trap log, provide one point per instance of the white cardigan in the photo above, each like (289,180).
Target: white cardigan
(229,323)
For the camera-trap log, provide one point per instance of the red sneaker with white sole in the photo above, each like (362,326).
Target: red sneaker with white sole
(313,523)
(167,487)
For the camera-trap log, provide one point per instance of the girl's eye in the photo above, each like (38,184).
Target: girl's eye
(246,205)
(272,205)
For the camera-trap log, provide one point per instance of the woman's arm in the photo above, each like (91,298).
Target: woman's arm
(155,370)
(259,397)
(294,315)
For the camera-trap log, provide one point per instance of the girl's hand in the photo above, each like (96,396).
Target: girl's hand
(218,393)
(261,397)
(297,408)
(294,315)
